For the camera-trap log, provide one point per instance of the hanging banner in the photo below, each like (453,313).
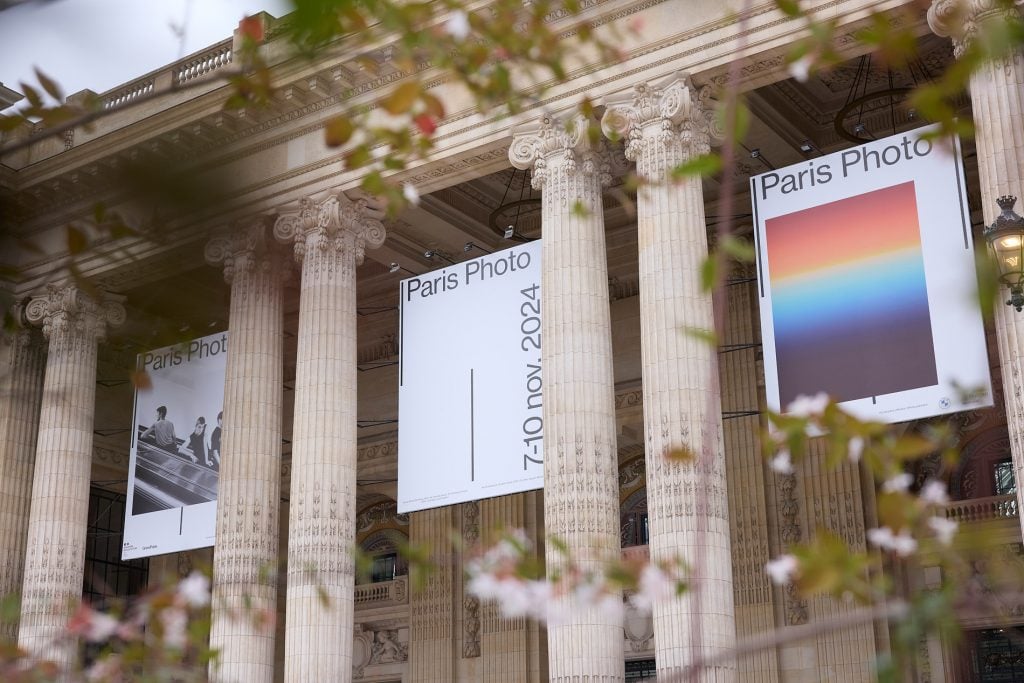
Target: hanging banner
(867,281)
(469,396)
(175,456)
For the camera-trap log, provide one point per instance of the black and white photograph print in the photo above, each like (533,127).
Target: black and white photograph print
(176,442)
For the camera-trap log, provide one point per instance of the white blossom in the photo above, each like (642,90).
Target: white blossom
(934,493)
(411,194)
(944,529)
(801,68)
(855,448)
(457,25)
(174,621)
(101,627)
(782,462)
(782,569)
(898,482)
(903,544)
(654,585)
(194,590)
(807,406)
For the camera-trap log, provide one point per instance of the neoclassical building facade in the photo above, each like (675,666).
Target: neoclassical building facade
(303,271)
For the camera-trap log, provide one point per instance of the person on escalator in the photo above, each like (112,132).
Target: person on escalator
(161,432)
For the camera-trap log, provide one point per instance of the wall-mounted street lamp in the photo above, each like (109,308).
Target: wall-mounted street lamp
(1006,238)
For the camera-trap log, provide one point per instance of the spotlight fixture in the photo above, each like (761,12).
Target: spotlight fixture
(431,253)
(756,154)
(806,146)
(510,232)
(395,267)
(470,246)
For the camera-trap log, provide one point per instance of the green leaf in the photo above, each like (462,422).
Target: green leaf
(708,273)
(338,131)
(707,336)
(703,166)
(77,241)
(402,98)
(49,85)
(791,8)
(739,249)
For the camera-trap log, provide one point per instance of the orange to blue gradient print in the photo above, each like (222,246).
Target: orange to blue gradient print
(850,299)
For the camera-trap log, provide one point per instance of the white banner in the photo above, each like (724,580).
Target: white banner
(175,456)
(867,281)
(469,394)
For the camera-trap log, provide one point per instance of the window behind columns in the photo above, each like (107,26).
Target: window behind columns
(108,577)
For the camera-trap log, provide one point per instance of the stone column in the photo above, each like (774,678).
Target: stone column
(329,237)
(997,98)
(666,125)
(581,504)
(73,322)
(245,555)
(19,427)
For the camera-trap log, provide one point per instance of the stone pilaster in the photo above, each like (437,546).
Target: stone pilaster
(509,647)
(431,604)
(74,323)
(245,556)
(997,99)
(665,126)
(581,505)
(19,426)
(745,471)
(329,237)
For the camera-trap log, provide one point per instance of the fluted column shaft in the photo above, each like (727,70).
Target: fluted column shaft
(666,126)
(245,554)
(55,547)
(329,238)
(19,427)
(581,504)
(431,606)
(997,99)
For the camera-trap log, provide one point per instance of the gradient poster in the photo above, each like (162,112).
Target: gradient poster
(867,284)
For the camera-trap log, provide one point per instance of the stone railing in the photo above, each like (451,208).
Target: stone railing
(127,93)
(983,509)
(383,593)
(636,552)
(202,63)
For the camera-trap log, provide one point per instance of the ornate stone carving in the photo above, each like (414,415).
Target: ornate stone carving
(960,19)
(383,512)
(244,248)
(563,144)
(332,222)
(663,125)
(69,315)
(470,604)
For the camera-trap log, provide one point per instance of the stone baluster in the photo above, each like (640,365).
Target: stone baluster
(664,126)
(245,555)
(329,238)
(581,504)
(19,426)
(74,323)
(997,99)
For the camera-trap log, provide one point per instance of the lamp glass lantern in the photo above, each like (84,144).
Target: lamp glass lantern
(1006,239)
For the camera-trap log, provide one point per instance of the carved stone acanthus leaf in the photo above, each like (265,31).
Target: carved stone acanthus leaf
(569,140)
(242,248)
(663,124)
(67,310)
(335,221)
(960,19)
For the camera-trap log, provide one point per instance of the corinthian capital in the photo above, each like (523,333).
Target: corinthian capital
(960,19)
(673,111)
(66,310)
(554,145)
(331,222)
(242,248)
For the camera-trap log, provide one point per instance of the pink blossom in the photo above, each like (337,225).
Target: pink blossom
(934,493)
(944,529)
(782,569)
